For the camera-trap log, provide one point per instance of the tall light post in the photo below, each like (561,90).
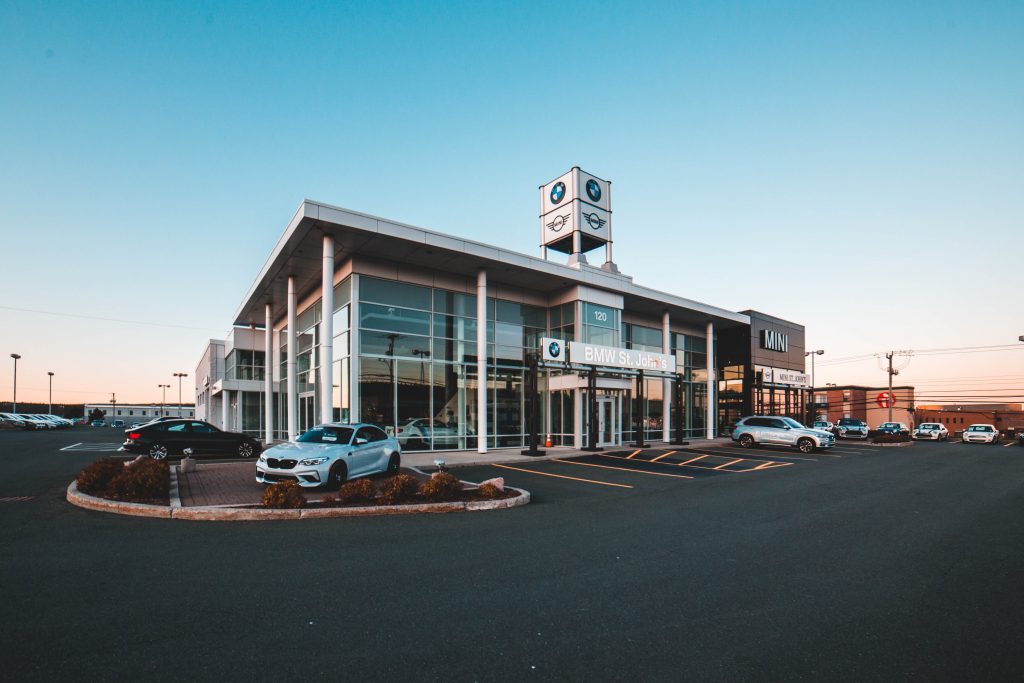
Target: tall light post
(812,354)
(180,376)
(163,399)
(49,407)
(113,408)
(15,357)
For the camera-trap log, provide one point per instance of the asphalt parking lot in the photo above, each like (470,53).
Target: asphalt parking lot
(861,563)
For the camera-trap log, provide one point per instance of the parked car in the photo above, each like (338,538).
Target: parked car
(13,420)
(97,423)
(893,428)
(1020,438)
(117,423)
(160,439)
(33,422)
(824,425)
(981,433)
(852,428)
(415,434)
(57,422)
(330,454)
(934,431)
(781,431)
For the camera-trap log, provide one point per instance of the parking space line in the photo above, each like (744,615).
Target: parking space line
(72,446)
(562,476)
(726,464)
(699,457)
(624,469)
(1009,444)
(768,454)
(630,456)
(663,455)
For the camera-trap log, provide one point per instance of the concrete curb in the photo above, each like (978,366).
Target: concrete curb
(893,445)
(224,513)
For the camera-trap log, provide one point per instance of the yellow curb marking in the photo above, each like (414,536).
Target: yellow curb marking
(562,476)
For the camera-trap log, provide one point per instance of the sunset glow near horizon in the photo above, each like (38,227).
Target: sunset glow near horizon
(856,170)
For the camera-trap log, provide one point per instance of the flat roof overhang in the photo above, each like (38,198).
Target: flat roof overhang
(299,253)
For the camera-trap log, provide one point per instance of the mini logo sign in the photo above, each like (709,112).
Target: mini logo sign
(558,192)
(593,190)
(558,223)
(774,341)
(593,220)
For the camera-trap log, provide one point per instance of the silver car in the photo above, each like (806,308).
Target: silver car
(780,431)
(330,454)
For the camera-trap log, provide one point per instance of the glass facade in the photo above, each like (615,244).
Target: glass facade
(243,364)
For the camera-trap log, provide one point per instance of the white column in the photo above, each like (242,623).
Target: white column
(353,352)
(268,377)
(327,333)
(666,384)
(481,361)
(224,408)
(710,419)
(293,388)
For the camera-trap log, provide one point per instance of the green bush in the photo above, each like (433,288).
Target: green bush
(144,480)
(93,479)
(285,495)
(398,489)
(441,487)
(489,491)
(357,491)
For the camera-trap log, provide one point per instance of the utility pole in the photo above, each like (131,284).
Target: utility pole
(892,399)
(163,399)
(15,356)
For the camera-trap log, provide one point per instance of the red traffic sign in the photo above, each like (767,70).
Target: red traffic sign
(885,399)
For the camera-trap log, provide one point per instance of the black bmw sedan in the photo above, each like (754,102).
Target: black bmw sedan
(171,437)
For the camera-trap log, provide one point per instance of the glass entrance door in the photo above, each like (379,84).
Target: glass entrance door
(307,413)
(606,421)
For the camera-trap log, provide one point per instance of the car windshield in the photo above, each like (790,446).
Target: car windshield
(327,435)
(927,427)
(979,428)
(792,423)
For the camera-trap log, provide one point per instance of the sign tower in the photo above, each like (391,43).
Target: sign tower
(576,217)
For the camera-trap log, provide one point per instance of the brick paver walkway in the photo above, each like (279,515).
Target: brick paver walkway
(230,483)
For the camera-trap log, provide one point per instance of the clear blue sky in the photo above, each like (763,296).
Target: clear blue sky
(832,164)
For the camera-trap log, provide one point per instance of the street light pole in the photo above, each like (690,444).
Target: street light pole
(180,375)
(113,408)
(812,354)
(49,408)
(15,357)
(163,399)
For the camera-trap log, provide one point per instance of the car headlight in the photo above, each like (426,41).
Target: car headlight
(314,461)
(263,458)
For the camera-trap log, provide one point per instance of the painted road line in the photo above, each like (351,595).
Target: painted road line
(663,455)
(699,457)
(562,476)
(768,454)
(630,456)
(1012,443)
(726,464)
(71,446)
(695,467)
(623,469)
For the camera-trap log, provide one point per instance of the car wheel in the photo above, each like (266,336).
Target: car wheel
(416,444)
(394,464)
(158,451)
(805,445)
(246,449)
(338,475)
(747,441)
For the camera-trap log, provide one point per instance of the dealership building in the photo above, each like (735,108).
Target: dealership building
(434,338)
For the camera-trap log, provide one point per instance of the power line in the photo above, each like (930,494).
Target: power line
(109,320)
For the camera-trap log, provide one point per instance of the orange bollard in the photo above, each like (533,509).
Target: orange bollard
(547,443)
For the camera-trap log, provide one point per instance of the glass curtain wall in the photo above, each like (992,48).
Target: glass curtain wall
(341,377)
(691,361)
(418,354)
(243,364)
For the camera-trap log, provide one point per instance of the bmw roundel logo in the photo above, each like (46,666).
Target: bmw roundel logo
(557,192)
(593,190)
(554,349)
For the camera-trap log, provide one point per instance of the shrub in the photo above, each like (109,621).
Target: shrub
(441,487)
(328,501)
(489,491)
(398,489)
(95,477)
(357,491)
(284,495)
(146,479)
(890,438)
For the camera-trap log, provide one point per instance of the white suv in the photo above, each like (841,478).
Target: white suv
(981,433)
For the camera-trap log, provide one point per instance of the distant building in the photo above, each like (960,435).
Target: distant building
(138,412)
(230,390)
(870,404)
(1005,416)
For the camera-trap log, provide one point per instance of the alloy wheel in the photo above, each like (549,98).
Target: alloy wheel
(158,451)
